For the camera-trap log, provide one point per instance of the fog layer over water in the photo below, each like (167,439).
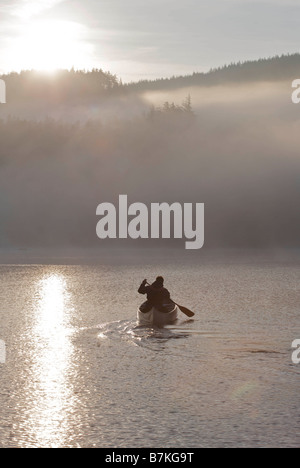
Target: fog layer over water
(238,154)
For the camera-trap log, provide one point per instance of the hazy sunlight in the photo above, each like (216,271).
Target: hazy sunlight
(50,45)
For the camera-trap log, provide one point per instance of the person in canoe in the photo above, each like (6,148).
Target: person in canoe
(157,295)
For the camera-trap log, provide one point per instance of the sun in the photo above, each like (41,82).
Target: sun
(49,46)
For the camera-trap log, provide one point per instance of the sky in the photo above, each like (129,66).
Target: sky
(139,39)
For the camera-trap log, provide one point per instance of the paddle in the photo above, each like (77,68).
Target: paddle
(184,310)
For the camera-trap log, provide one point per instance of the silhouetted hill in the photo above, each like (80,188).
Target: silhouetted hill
(72,87)
(62,87)
(285,67)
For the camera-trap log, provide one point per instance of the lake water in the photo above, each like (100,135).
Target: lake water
(80,373)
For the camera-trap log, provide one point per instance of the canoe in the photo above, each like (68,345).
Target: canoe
(156,317)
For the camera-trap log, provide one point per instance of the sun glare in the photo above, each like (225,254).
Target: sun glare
(48,46)
(51,398)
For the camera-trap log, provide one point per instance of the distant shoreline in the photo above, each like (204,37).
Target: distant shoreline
(137,256)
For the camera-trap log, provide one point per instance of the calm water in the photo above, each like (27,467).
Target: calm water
(80,373)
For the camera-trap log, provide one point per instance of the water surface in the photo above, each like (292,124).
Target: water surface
(81,373)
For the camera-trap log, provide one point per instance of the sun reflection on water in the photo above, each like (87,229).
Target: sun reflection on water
(51,393)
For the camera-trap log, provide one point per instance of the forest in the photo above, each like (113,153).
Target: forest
(78,85)
(235,149)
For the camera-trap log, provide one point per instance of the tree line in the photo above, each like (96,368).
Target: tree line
(78,85)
